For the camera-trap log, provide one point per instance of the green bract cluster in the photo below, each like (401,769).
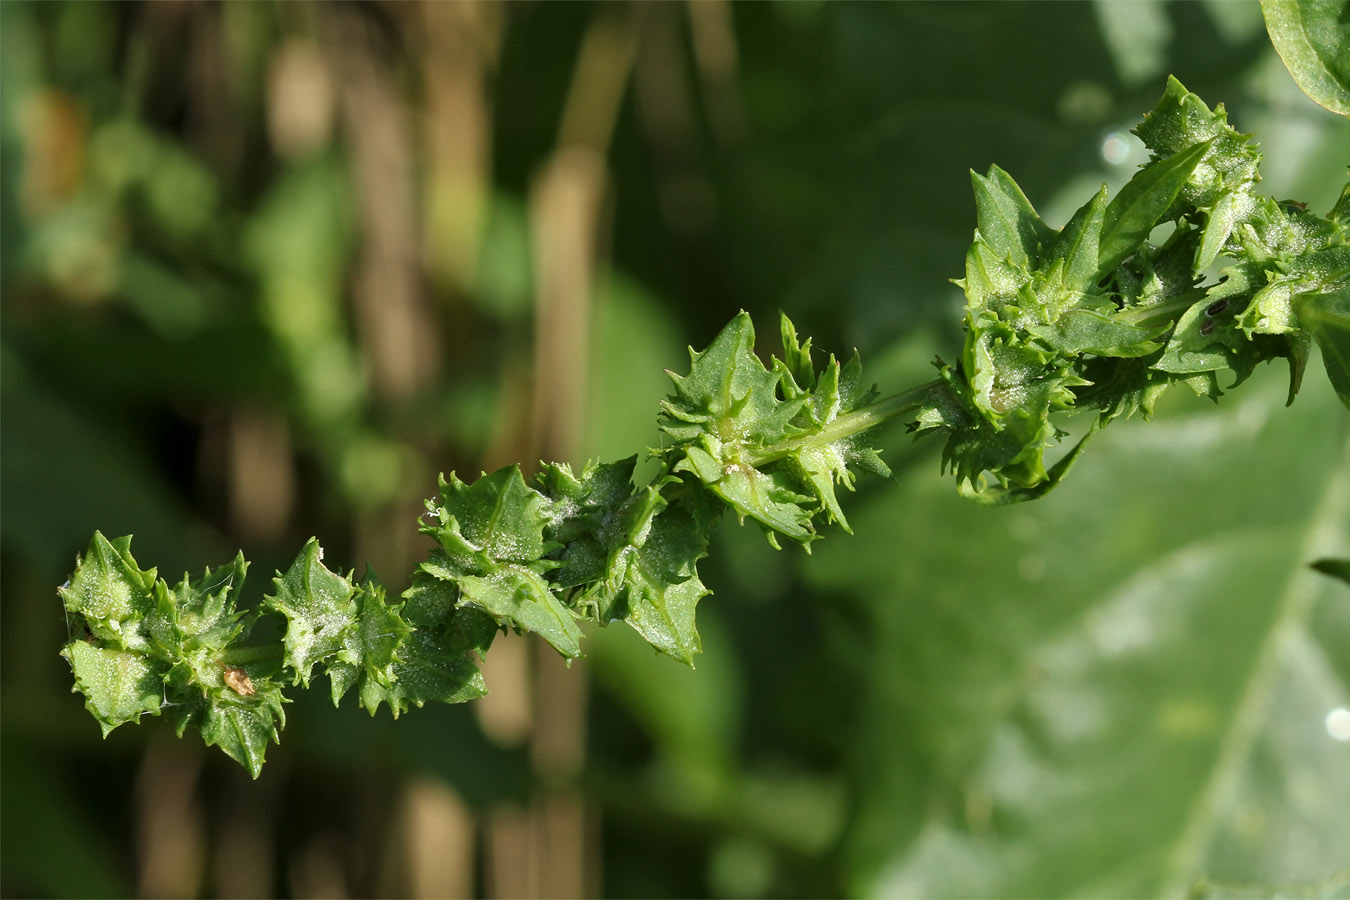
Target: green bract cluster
(146,647)
(539,558)
(1092,316)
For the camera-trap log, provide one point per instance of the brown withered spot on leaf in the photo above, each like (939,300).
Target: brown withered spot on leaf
(239,681)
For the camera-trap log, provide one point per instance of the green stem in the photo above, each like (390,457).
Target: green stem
(1166,311)
(242,656)
(849,424)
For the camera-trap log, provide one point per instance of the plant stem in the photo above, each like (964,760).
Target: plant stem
(1166,311)
(242,656)
(850,423)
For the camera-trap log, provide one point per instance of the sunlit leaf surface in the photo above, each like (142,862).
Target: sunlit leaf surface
(1313,39)
(1117,690)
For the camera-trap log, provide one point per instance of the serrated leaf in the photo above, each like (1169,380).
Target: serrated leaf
(118,686)
(243,727)
(431,604)
(633,556)
(1340,211)
(492,535)
(498,517)
(1078,242)
(1006,219)
(661,588)
(1121,388)
(319,610)
(371,637)
(1014,384)
(729,400)
(427,668)
(581,515)
(991,280)
(472,631)
(821,466)
(1199,343)
(1219,223)
(198,618)
(432,599)
(1181,120)
(796,358)
(381,629)
(522,597)
(975,444)
(650,579)
(1313,39)
(1141,205)
(112,594)
(768,497)
(745,444)
(1080,331)
(171,650)
(1001,494)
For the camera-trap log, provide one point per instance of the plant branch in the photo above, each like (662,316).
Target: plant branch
(243,656)
(850,424)
(1090,317)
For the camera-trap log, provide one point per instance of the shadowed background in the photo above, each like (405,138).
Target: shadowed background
(267,269)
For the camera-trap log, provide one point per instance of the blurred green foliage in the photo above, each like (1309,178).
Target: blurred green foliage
(260,282)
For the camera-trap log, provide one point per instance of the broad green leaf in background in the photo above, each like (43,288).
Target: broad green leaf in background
(1329,889)
(1313,39)
(1117,690)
